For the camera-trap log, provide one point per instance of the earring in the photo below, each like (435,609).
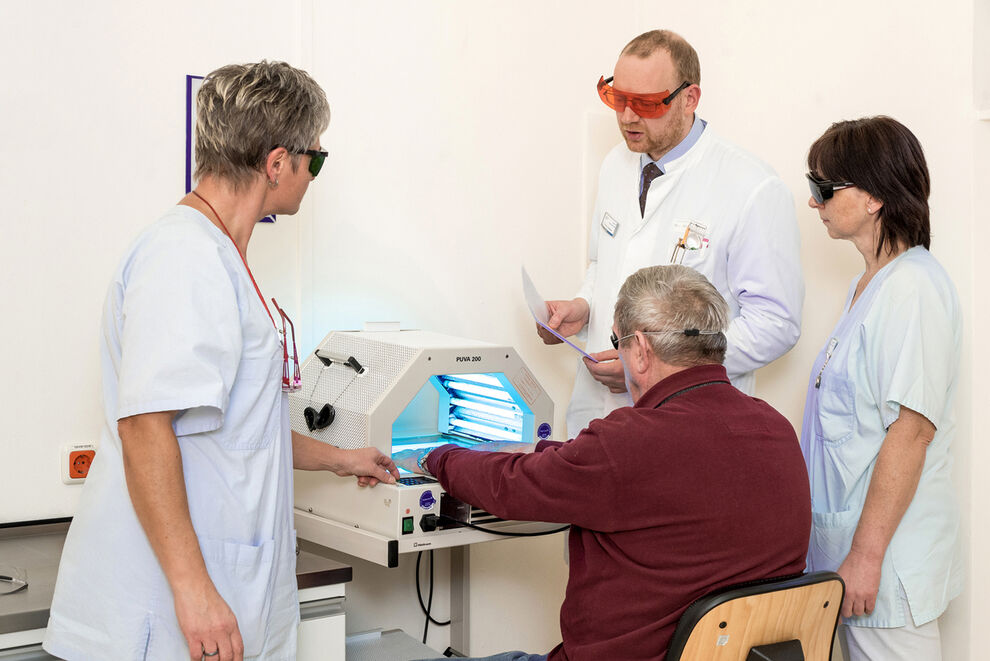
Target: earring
(869,209)
(273,184)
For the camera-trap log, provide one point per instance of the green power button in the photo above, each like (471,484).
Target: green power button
(407,525)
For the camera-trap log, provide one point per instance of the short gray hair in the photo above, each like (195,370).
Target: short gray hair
(676,298)
(243,111)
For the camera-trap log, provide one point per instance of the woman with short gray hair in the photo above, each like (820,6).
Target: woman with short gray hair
(183,545)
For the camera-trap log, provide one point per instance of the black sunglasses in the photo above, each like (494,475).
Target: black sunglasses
(317,157)
(822,189)
(318,420)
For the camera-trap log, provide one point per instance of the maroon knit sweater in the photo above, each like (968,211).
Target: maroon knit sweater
(669,499)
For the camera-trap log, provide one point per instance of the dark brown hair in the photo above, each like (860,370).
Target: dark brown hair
(882,157)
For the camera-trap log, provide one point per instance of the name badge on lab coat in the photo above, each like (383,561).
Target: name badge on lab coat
(609,224)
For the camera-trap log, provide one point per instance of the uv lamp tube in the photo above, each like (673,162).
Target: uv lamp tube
(487,401)
(430,445)
(490,393)
(482,418)
(484,430)
(487,418)
(506,412)
(483,379)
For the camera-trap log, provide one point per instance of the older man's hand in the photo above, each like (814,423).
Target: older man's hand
(503,446)
(608,370)
(409,460)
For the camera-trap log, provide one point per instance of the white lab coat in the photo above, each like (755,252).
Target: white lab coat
(750,252)
(184,330)
(898,346)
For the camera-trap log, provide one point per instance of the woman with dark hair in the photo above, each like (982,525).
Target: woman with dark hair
(878,420)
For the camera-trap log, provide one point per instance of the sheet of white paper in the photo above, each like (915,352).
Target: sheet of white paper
(538,307)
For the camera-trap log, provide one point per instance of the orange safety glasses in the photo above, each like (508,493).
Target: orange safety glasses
(648,106)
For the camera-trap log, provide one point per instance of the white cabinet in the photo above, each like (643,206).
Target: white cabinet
(24,615)
(321,630)
(321,623)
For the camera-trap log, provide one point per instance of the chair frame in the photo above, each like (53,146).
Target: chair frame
(704,632)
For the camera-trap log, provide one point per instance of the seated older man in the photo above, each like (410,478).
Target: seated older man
(695,487)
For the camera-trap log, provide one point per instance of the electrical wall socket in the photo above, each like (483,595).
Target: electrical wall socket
(76,460)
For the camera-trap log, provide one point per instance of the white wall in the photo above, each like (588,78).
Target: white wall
(975,610)
(464,142)
(93,149)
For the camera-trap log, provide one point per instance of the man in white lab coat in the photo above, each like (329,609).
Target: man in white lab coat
(675,192)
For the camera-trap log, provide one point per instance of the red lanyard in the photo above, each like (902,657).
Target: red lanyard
(250,275)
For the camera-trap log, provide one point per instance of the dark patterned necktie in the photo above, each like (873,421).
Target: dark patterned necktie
(650,172)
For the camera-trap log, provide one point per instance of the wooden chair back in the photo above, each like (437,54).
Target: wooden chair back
(727,624)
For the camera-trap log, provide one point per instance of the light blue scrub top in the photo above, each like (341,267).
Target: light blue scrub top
(184,330)
(898,346)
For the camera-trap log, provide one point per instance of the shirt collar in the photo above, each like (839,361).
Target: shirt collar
(674,383)
(680,149)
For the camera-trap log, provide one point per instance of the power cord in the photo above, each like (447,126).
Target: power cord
(426,608)
(419,596)
(449,519)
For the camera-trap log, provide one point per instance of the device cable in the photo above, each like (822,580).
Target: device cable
(429,601)
(426,608)
(450,519)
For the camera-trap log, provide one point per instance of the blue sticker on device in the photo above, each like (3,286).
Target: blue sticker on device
(427,501)
(543,431)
